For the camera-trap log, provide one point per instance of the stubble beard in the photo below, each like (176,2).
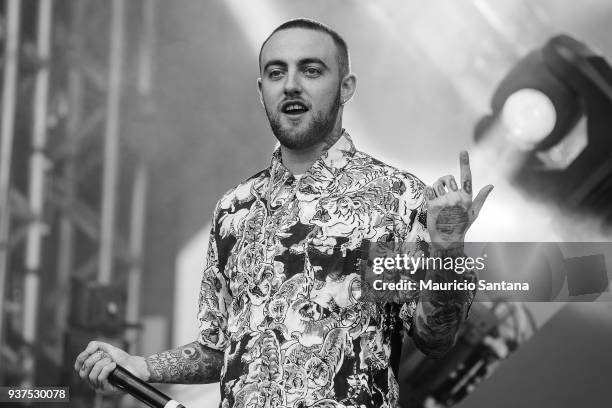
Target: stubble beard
(320,127)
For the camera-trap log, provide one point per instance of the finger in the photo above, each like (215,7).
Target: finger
(89,363)
(91,348)
(116,354)
(78,363)
(449,182)
(92,359)
(99,355)
(466,173)
(429,193)
(103,377)
(95,371)
(439,188)
(98,346)
(83,373)
(480,199)
(108,348)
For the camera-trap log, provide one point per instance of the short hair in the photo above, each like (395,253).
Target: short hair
(344,61)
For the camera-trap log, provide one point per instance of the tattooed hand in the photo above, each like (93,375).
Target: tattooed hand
(99,359)
(450,208)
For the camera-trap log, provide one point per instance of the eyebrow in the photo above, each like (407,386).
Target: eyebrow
(302,62)
(305,61)
(274,62)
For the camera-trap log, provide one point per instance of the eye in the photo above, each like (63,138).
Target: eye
(312,71)
(275,74)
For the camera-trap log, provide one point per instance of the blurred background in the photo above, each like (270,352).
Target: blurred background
(123,122)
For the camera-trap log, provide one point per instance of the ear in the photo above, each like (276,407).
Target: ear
(260,92)
(347,88)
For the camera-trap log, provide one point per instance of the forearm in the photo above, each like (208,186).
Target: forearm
(450,212)
(192,363)
(440,313)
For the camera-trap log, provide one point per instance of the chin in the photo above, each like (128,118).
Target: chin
(298,140)
(307,133)
(298,143)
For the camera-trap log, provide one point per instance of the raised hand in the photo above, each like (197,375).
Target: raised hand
(450,208)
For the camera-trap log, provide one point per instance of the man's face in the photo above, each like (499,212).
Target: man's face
(300,86)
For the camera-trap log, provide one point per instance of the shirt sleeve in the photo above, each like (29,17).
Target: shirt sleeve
(214,296)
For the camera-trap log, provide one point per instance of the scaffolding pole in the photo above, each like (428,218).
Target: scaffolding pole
(138,211)
(65,258)
(38,169)
(137,228)
(111,144)
(111,151)
(6,144)
(147,49)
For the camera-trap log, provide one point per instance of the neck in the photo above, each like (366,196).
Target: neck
(299,161)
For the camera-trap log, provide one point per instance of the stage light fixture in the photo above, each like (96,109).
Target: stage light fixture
(539,111)
(530,116)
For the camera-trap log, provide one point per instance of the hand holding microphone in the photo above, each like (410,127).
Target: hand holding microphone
(99,359)
(108,369)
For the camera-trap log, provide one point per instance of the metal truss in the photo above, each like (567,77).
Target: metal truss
(76,92)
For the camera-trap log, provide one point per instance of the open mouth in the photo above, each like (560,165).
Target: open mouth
(294,108)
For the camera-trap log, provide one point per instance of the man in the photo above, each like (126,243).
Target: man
(281,320)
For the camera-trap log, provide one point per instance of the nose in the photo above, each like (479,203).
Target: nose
(292,83)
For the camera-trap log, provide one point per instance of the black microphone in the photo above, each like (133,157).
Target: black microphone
(123,379)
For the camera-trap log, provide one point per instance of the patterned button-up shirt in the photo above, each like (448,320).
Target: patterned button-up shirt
(281,289)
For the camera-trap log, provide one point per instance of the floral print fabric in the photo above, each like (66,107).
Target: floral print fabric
(281,286)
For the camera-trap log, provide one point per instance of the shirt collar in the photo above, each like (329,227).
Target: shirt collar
(334,158)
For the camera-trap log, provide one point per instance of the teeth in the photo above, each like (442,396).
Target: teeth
(294,107)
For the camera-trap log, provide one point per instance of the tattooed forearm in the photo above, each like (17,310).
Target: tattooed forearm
(192,363)
(440,312)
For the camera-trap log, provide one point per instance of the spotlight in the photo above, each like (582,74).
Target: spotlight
(530,117)
(552,118)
